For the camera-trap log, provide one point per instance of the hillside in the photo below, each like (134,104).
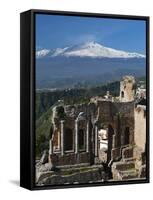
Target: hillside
(46,100)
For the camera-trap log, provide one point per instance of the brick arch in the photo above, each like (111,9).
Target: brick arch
(110,132)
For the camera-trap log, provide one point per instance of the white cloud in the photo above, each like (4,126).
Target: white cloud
(42,53)
(82,39)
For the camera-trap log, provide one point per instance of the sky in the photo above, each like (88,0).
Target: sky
(53,31)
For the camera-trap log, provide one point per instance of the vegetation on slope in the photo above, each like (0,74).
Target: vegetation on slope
(46,100)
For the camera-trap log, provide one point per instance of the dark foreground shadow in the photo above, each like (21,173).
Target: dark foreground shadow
(15,182)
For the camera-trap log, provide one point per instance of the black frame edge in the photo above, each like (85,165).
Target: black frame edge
(148,99)
(87,14)
(25,108)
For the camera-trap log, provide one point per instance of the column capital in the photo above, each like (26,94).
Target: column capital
(76,120)
(96,123)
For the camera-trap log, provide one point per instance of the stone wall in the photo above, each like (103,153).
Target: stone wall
(70,159)
(120,117)
(108,110)
(140,127)
(88,176)
(117,117)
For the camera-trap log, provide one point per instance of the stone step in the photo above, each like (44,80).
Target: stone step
(129,174)
(127,152)
(73,166)
(142,171)
(81,168)
(128,159)
(123,166)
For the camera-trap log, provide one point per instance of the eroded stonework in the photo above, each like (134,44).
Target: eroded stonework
(103,132)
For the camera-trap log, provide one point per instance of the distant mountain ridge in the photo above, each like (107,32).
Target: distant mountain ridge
(88,49)
(85,65)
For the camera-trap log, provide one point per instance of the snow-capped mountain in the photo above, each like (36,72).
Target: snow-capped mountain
(89,49)
(89,63)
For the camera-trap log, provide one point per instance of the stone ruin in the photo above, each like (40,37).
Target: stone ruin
(103,134)
(127,89)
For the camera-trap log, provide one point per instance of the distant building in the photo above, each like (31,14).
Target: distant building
(141,92)
(108,96)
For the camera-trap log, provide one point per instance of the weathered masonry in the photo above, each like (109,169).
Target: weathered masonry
(75,138)
(102,131)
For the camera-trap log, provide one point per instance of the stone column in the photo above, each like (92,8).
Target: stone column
(96,140)
(76,136)
(122,139)
(87,138)
(50,147)
(113,141)
(62,137)
(59,140)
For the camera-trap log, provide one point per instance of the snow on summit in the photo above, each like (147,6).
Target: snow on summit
(89,49)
